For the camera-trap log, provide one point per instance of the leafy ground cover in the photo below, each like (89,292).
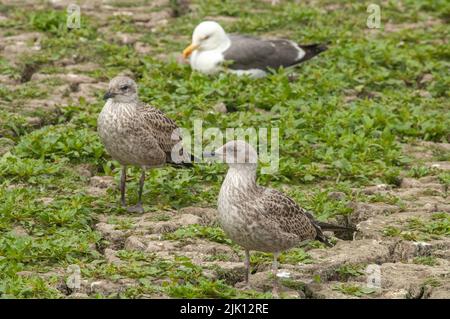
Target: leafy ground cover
(372,110)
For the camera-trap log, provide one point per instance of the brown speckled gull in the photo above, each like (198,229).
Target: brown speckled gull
(135,133)
(260,218)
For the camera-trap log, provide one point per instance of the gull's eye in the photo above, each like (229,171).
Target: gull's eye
(206,37)
(124,87)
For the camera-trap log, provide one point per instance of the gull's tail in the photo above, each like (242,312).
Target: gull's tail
(333,227)
(188,162)
(323,226)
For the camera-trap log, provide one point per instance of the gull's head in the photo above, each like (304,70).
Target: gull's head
(208,35)
(237,154)
(122,89)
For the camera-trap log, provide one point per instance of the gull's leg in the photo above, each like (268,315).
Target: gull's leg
(138,207)
(141,187)
(247,266)
(276,284)
(123,181)
(245,284)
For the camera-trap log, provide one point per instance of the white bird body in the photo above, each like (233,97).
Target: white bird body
(207,62)
(212,50)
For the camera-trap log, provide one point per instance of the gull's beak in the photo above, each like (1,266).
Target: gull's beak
(107,95)
(188,51)
(217,154)
(211,154)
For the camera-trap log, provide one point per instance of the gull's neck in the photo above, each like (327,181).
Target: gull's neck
(121,107)
(225,45)
(241,176)
(129,101)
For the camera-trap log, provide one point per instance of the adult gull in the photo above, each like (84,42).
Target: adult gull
(213,50)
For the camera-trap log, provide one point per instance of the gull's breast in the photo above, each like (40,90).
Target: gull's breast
(208,62)
(113,126)
(242,222)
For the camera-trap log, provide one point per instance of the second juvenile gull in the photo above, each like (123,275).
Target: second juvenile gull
(260,218)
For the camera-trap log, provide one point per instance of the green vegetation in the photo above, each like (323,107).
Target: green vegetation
(426,260)
(293,256)
(354,290)
(342,126)
(417,229)
(433,282)
(208,289)
(196,231)
(180,277)
(348,270)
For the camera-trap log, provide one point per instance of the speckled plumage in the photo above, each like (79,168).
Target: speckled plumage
(135,133)
(256,217)
(260,218)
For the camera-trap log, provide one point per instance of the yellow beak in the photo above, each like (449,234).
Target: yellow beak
(188,51)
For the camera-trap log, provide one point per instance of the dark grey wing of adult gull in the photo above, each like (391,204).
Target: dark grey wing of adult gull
(248,52)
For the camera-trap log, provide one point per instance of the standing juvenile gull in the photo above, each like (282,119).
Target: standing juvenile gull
(135,133)
(212,50)
(260,218)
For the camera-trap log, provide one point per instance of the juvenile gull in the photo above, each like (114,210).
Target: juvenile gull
(212,50)
(135,133)
(260,218)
